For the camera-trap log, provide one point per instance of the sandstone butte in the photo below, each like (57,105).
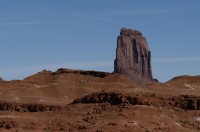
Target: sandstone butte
(133,57)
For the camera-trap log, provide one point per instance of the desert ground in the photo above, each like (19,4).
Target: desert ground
(76,100)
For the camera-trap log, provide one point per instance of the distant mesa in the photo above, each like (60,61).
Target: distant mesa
(46,75)
(133,58)
(82,72)
(1,79)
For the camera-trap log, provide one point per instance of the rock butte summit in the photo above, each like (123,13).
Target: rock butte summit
(133,58)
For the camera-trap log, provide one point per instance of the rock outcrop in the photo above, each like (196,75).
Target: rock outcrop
(133,58)
(82,72)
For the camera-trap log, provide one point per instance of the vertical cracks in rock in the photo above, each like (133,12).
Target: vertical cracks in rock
(135,51)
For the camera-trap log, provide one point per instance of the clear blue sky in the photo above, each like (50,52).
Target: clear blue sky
(81,34)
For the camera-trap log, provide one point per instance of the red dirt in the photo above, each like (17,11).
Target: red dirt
(70,100)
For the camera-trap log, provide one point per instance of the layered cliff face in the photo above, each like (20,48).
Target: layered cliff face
(133,58)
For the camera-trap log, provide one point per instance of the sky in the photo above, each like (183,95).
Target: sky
(82,34)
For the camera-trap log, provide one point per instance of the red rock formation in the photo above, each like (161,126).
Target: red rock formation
(133,58)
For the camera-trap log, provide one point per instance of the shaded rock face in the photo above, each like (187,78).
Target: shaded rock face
(133,58)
